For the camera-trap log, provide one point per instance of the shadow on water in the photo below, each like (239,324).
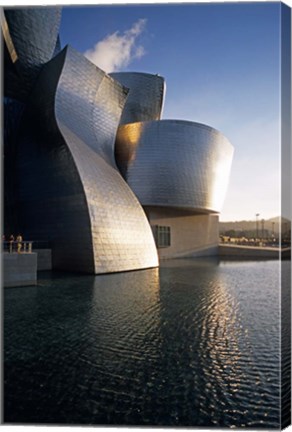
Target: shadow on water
(187,344)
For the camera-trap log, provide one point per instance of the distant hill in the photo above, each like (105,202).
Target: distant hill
(277,218)
(270,225)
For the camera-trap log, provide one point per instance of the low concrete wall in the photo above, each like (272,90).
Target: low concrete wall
(44,259)
(208,251)
(19,269)
(253,252)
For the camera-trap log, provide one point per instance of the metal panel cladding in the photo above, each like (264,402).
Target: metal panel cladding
(175,163)
(145,98)
(30,36)
(71,190)
(12,114)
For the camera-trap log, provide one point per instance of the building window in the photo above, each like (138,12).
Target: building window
(162,236)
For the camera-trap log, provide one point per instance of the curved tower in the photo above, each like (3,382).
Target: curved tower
(65,153)
(30,36)
(71,191)
(179,171)
(145,98)
(29,41)
(175,163)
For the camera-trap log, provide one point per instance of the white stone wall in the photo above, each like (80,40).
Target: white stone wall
(191,235)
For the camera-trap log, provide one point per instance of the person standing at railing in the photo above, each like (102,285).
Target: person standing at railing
(11,241)
(19,243)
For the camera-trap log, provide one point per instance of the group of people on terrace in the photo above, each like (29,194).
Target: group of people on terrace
(18,242)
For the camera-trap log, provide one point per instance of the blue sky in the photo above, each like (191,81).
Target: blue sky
(221,66)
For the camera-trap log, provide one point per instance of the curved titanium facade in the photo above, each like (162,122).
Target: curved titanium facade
(12,114)
(145,98)
(30,36)
(71,191)
(62,184)
(175,163)
(30,40)
(58,46)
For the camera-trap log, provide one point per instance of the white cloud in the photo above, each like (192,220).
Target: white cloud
(117,50)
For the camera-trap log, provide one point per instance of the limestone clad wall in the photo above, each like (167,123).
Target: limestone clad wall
(191,234)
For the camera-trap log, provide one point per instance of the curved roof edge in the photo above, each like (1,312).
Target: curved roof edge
(137,73)
(179,121)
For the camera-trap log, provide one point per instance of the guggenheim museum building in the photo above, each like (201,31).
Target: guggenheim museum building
(90,166)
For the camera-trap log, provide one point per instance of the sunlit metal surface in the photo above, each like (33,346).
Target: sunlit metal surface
(7,37)
(71,191)
(33,33)
(175,163)
(64,184)
(146,96)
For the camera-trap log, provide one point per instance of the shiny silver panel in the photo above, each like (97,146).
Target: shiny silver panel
(33,33)
(146,96)
(175,163)
(77,196)
(58,46)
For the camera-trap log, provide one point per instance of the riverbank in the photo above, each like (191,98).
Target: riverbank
(253,252)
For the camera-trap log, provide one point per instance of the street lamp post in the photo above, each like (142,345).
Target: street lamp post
(257,225)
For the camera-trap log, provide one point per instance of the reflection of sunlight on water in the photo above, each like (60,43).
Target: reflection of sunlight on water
(209,304)
(220,350)
(126,307)
(227,349)
(188,344)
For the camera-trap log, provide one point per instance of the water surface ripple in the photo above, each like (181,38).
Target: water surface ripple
(194,343)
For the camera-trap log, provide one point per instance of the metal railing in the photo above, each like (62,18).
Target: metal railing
(17,247)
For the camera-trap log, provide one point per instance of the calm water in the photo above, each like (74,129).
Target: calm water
(194,343)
